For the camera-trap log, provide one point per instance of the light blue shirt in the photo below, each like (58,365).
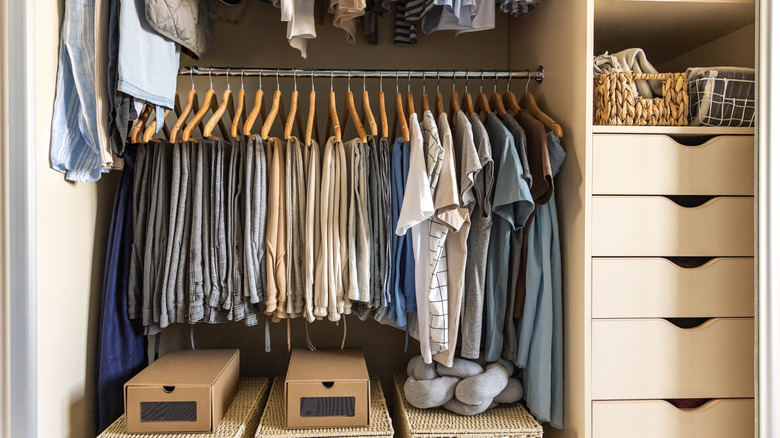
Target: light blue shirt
(512,204)
(75,148)
(540,330)
(148,62)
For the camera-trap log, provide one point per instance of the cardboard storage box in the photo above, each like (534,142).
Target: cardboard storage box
(327,388)
(183,391)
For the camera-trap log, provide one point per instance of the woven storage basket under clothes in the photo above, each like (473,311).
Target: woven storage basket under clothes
(615,102)
(504,421)
(240,420)
(273,423)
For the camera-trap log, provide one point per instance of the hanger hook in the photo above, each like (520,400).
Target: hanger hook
(438,80)
(227,78)
(454,77)
(242,78)
(277,79)
(381,79)
(467,81)
(312,79)
(495,83)
(508,81)
(528,81)
(192,81)
(331,80)
(295,80)
(396,80)
(423,81)
(211,84)
(349,80)
(409,81)
(364,79)
(481,80)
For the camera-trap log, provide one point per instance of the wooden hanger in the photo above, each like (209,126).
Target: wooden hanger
(468,104)
(258,108)
(382,110)
(277,108)
(294,115)
(333,118)
(311,123)
(424,98)
(190,107)
(140,125)
(152,128)
(529,102)
(510,100)
(216,117)
(240,111)
(349,109)
(209,103)
(483,105)
(365,110)
(497,104)
(399,116)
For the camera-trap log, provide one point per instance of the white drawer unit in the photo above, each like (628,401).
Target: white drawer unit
(654,359)
(659,165)
(658,288)
(720,418)
(655,226)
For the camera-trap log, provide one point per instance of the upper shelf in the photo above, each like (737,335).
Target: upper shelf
(666,29)
(673,130)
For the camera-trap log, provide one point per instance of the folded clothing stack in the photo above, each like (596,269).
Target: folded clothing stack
(722,96)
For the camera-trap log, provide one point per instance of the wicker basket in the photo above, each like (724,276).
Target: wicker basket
(240,420)
(273,422)
(616,103)
(506,421)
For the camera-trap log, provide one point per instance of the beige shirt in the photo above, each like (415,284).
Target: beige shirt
(280,267)
(324,280)
(313,231)
(343,304)
(272,230)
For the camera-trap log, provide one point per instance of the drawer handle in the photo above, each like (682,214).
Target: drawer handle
(688,323)
(691,405)
(689,201)
(690,262)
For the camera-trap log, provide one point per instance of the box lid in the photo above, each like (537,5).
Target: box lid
(202,367)
(327,365)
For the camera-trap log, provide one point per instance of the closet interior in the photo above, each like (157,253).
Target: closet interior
(656,222)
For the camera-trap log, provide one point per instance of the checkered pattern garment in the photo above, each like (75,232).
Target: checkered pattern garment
(437,233)
(518,7)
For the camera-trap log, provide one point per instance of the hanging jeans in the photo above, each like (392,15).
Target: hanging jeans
(121,344)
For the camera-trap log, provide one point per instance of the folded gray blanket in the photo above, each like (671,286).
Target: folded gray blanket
(629,61)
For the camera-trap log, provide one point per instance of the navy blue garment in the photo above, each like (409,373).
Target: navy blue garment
(121,343)
(113,56)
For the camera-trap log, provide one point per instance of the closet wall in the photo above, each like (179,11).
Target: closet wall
(72,231)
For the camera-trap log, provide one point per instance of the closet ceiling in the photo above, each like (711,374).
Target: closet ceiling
(666,28)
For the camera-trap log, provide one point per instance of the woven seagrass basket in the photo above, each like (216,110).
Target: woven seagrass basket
(616,103)
(273,422)
(240,420)
(504,421)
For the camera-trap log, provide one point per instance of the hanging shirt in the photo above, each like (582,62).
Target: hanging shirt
(477,244)
(401,280)
(456,16)
(457,220)
(300,27)
(342,302)
(357,225)
(512,204)
(324,279)
(79,145)
(484,19)
(516,242)
(295,188)
(386,258)
(407,14)
(272,235)
(345,14)
(540,331)
(314,206)
(517,8)
(542,189)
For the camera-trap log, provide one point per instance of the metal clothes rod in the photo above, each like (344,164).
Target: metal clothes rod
(537,74)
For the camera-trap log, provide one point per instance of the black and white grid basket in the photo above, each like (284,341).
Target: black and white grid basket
(722,96)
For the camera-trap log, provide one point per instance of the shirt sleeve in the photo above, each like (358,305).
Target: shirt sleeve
(512,200)
(417,205)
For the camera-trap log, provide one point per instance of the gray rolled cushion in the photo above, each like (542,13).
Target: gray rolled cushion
(512,393)
(412,363)
(425,371)
(508,366)
(485,386)
(425,394)
(460,368)
(461,408)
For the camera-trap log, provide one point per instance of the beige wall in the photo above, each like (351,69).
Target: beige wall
(735,49)
(71,242)
(5,343)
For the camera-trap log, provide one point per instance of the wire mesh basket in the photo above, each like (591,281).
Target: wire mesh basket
(727,98)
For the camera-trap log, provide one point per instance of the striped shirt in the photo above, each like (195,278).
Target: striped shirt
(407,14)
(79,145)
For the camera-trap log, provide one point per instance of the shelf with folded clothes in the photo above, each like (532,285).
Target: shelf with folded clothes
(669,29)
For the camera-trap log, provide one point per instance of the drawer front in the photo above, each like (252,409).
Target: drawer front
(654,226)
(654,359)
(658,165)
(732,418)
(658,288)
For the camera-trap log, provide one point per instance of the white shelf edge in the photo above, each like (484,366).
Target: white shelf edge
(673,130)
